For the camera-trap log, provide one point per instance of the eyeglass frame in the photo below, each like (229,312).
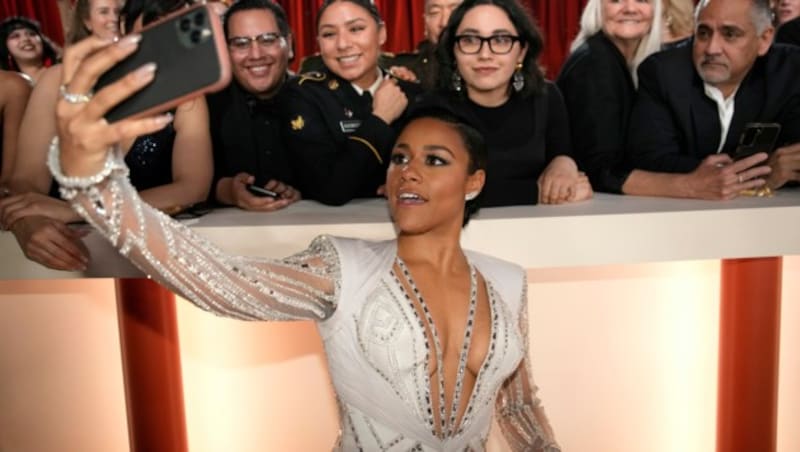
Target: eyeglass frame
(277,37)
(486,39)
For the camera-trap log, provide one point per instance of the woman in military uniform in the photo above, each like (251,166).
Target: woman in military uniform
(341,121)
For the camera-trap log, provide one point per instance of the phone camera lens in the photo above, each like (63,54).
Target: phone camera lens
(195,36)
(185,25)
(199,19)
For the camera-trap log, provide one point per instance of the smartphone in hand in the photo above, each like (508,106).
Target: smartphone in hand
(262,192)
(191,56)
(757,137)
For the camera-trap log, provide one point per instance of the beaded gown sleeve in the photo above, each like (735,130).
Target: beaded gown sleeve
(302,286)
(519,412)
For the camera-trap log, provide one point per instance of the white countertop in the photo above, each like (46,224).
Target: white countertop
(609,229)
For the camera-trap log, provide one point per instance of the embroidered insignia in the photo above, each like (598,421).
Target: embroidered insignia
(298,123)
(313,76)
(333,85)
(348,112)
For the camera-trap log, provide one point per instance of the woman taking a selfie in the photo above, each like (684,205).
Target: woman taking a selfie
(487,67)
(172,167)
(340,122)
(405,385)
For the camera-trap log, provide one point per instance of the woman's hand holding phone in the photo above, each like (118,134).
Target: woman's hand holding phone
(84,134)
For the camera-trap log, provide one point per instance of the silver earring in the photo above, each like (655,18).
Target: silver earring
(470,196)
(456,81)
(518,80)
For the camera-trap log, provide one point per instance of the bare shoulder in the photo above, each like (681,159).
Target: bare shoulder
(13,86)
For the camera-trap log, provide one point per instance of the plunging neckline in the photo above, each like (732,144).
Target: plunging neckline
(447,424)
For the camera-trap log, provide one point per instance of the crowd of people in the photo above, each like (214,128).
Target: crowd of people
(652,100)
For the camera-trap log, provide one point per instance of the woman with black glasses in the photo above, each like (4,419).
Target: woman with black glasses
(488,67)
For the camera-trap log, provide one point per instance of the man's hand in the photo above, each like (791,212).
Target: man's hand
(720,178)
(785,164)
(240,197)
(403,73)
(51,243)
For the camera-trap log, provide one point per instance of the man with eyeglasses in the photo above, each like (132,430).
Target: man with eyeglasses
(251,164)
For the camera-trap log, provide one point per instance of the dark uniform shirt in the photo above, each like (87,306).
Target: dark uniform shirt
(339,149)
(246,135)
(422,62)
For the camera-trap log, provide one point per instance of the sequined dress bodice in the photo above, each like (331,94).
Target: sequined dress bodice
(375,340)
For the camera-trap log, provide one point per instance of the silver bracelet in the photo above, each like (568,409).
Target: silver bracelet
(72,186)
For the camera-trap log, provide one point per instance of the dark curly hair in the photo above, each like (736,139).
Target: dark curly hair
(527,31)
(50,52)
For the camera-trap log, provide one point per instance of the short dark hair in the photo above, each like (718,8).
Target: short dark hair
(245,5)
(469,134)
(366,4)
(49,50)
(527,30)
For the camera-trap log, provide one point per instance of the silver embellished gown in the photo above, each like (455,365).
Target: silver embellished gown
(375,331)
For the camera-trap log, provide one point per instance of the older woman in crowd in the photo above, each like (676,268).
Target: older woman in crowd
(599,82)
(487,57)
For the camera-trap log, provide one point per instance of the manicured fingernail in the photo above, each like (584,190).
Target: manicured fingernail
(146,72)
(164,119)
(130,40)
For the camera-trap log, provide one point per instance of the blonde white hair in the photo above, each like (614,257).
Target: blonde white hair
(592,22)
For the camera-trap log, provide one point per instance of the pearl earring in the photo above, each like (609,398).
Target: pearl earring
(472,195)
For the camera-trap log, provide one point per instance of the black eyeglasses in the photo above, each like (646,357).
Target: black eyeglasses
(498,44)
(265,41)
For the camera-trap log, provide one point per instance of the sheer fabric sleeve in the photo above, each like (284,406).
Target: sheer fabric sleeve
(519,412)
(302,286)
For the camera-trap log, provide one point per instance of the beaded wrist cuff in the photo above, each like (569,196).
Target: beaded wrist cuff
(72,186)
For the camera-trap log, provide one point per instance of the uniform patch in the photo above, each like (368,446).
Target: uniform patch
(298,123)
(350,126)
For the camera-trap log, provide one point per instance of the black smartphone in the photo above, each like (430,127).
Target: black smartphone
(757,137)
(262,192)
(189,50)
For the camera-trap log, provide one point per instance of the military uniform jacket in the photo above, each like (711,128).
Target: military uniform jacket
(339,149)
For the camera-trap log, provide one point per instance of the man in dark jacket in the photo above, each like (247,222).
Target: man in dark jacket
(694,103)
(245,117)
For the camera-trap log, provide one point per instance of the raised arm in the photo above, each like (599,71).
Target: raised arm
(95,182)
(519,413)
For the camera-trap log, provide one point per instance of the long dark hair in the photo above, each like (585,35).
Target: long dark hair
(527,31)
(50,52)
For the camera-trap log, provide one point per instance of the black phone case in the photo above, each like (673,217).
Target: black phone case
(190,60)
(757,137)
